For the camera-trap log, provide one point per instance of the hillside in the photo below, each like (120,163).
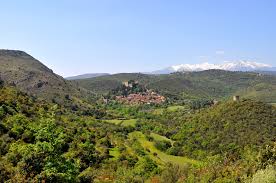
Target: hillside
(29,75)
(86,76)
(105,84)
(195,85)
(40,143)
(228,127)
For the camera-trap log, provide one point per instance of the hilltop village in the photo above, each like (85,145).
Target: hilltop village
(134,93)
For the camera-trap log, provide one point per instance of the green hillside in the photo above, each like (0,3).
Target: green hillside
(206,84)
(105,84)
(46,143)
(228,127)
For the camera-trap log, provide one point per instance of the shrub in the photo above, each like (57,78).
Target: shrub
(162,145)
(267,175)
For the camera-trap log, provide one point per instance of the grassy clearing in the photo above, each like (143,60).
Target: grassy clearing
(160,137)
(128,122)
(175,108)
(161,156)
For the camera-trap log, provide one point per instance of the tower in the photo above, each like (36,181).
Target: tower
(236,98)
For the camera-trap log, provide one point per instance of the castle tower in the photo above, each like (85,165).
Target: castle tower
(236,98)
(126,84)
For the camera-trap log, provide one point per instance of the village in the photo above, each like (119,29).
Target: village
(145,97)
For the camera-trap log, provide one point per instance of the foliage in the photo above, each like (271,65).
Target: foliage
(163,145)
(268,156)
(267,175)
(228,128)
(43,142)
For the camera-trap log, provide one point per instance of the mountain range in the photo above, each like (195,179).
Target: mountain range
(228,66)
(244,66)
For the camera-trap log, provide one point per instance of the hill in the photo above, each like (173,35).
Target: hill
(228,127)
(210,84)
(86,76)
(21,70)
(105,84)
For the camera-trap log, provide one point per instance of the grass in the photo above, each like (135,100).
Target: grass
(175,108)
(128,122)
(114,152)
(161,156)
(160,137)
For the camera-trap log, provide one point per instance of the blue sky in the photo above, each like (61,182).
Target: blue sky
(85,36)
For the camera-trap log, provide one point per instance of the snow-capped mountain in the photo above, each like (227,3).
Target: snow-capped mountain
(229,66)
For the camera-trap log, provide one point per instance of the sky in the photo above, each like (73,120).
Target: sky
(92,36)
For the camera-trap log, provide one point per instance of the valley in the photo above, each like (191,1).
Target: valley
(134,127)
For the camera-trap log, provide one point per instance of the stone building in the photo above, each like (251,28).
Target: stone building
(236,98)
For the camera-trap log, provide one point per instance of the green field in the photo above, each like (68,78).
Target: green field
(128,122)
(175,108)
(161,156)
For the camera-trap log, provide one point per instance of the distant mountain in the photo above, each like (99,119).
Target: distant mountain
(86,76)
(228,66)
(21,70)
(267,72)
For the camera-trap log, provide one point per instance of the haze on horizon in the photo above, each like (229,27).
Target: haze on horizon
(76,37)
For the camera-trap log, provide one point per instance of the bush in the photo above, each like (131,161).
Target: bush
(163,145)
(267,175)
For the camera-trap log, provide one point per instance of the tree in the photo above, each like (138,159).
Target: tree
(173,173)
(1,83)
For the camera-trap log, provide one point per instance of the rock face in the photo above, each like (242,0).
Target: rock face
(19,69)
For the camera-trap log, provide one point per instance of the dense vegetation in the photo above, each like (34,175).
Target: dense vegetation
(43,142)
(39,142)
(228,127)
